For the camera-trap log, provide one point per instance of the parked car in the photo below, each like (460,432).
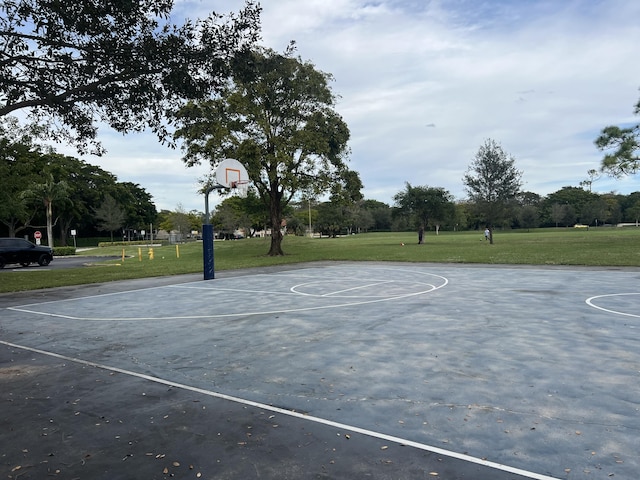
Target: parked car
(19,250)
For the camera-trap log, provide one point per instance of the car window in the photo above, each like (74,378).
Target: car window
(14,243)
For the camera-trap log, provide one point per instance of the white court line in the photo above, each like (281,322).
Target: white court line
(338,292)
(99,295)
(186,285)
(589,301)
(291,413)
(124,292)
(26,309)
(219,315)
(234,290)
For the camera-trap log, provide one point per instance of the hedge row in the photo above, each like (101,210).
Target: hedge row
(127,244)
(64,251)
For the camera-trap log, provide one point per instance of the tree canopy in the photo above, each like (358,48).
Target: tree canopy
(30,174)
(71,65)
(623,145)
(276,117)
(424,205)
(492,182)
(109,215)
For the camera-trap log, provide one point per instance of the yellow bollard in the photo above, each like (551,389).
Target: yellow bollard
(139,254)
(151,254)
(177,251)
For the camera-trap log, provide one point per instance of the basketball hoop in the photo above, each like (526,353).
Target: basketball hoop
(240,188)
(230,174)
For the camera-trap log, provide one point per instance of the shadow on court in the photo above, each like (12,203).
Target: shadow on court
(325,371)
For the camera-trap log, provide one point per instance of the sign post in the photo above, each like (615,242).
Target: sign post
(38,236)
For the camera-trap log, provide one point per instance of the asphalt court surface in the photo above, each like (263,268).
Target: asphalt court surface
(349,370)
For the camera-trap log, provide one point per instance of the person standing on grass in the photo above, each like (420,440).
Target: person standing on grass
(487,233)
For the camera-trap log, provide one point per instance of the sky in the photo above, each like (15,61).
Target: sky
(422,84)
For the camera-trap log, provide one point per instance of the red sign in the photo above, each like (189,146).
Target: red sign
(37,234)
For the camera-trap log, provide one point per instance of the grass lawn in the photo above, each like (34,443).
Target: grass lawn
(562,246)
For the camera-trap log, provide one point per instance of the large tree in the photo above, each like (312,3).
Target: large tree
(425,206)
(25,167)
(73,64)
(21,165)
(140,211)
(346,194)
(380,213)
(632,210)
(623,146)
(574,197)
(87,185)
(492,182)
(249,212)
(109,216)
(331,219)
(276,117)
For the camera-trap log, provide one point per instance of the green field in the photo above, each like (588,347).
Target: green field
(562,246)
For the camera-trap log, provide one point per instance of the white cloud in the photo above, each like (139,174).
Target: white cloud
(423,83)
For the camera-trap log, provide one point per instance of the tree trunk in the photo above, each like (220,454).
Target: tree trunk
(49,224)
(65,226)
(276,242)
(275,210)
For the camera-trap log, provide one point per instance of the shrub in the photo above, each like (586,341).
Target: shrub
(64,251)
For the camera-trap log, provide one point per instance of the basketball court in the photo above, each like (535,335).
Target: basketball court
(328,370)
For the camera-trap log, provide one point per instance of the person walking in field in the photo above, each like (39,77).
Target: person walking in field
(486,233)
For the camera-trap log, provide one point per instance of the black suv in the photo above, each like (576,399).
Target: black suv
(18,250)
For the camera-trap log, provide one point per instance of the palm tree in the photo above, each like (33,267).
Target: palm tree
(48,192)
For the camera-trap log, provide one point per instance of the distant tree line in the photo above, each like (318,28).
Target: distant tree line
(564,208)
(44,190)
(494,201)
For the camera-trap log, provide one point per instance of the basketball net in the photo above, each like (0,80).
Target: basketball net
(240,188)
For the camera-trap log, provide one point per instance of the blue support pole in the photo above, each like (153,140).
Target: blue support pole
(207,251)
